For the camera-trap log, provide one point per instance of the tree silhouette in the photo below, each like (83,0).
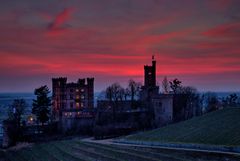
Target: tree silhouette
(16,110)
(133,89)
(165,85)
(41,106)
(175,85)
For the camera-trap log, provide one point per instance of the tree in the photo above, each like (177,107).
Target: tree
(232,100)
(114,93)
(133,90)
(211,101)
(192,101)
(175,85)
(16,110)
(165,85)
(41,106)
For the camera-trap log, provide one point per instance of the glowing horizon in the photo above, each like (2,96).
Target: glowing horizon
(196,42)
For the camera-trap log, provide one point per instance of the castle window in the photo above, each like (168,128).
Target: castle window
(77,90)
(77,97)
(82,97)
(82,105)
(77,105)
(82,90)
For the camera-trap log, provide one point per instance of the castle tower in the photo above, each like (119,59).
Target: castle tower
(90,88)
(150,89)
(150,74)
(58,95)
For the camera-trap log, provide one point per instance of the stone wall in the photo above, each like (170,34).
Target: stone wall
(163,109)
(77,125)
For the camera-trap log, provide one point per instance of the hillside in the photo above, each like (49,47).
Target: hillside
(217,128)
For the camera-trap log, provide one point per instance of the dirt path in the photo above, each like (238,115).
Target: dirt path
(111,142)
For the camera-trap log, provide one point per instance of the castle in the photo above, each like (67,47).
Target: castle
(160,105)
(72,101)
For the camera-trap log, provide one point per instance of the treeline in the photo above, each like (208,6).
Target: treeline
(188,101)
(16,122)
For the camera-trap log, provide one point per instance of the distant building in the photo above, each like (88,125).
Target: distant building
(160,105)
(73,101)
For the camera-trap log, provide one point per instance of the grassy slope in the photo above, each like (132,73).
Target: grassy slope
(217,128)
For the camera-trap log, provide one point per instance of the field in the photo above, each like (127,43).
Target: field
(217,128)
(74,150)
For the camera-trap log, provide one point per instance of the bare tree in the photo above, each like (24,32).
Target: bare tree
(133,89)
(211,101)
(114,93)
(165,85)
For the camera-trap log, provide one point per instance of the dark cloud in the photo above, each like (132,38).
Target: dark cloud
(59,24)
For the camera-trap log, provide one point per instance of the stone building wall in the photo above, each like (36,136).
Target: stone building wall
(163,109)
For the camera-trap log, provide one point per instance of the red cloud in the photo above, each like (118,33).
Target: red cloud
(226,30)
(56,27)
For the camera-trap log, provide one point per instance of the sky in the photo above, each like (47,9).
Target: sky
(196,41)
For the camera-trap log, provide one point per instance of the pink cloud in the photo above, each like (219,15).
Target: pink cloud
(226,30)
(56,27)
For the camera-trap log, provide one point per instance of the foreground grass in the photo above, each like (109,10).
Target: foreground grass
(76,150)
(216,128)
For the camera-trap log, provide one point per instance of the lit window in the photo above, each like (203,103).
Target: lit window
(78,113)
(66,114)
(77,90)
(82,105)
(82,97)
(149,73)
(82,90)
(70,113)
(77,97)
(77,105)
